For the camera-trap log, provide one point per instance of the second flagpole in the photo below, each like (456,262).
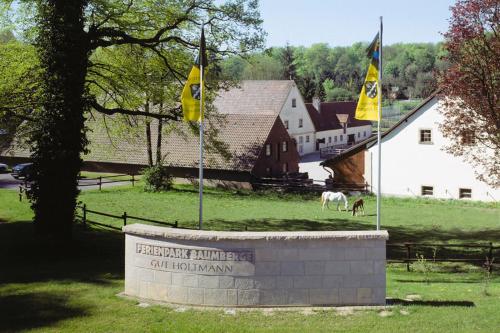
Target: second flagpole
(200,221)
(379,135)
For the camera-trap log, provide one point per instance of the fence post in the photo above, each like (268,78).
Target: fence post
(20,193)
(84,216)
(124,216)
(176,224)
(490,258)
(100,182)
(408,256)
(133,180)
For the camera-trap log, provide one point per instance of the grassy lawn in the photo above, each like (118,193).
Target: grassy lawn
(46,288)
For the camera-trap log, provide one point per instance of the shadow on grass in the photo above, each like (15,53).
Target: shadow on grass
(397,301)
(92,256)
(478,280)
(30,310)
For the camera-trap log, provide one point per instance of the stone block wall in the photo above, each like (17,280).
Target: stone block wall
(255,268)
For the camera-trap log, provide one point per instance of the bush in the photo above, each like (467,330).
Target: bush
(157,179)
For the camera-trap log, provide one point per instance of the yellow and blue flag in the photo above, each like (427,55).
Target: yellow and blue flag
(190,98)
(367,108)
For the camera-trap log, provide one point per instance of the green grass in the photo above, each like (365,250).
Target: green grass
(72,288)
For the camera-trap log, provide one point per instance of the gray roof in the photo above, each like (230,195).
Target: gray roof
(263,97)
(242,135)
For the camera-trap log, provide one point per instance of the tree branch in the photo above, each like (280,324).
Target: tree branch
(174,113)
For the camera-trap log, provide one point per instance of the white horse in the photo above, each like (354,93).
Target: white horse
(326,197)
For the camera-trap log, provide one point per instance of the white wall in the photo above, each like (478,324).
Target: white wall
(408,165)
(292,115)
(338,132)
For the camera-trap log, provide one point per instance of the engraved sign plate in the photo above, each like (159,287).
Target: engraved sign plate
(234,262)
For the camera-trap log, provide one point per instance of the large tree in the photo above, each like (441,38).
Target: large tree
(470,86)
(68,33)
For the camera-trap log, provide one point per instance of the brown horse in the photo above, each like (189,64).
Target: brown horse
(358,206)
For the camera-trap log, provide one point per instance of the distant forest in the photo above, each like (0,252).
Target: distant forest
(337,73)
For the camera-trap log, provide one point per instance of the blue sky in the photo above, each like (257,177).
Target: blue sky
(343,22)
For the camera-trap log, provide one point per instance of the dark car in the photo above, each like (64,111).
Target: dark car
(4,168)
(22,171)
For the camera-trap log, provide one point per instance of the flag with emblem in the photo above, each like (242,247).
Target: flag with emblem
(192,99)
(367,108)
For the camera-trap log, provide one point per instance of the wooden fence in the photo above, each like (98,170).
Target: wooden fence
(437,252)
(82,182)
(299,185)
(124,218)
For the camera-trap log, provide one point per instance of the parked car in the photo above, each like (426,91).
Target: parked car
(22,170)
(4,168)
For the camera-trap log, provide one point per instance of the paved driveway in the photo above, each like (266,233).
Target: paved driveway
(310,163)
(7,181)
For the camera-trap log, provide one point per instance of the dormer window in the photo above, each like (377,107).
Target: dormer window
(294,102)
(301,124)
(286,124)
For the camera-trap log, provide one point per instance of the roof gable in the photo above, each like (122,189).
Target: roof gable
(326,119)
(263,97)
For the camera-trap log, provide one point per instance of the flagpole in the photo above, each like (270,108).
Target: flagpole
(201,148)
(379,136)
(200,222)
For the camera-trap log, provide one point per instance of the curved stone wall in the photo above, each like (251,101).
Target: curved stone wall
(216,268)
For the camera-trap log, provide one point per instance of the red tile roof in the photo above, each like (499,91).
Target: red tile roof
(327,119)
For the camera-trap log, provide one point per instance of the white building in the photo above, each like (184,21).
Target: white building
(414,162)
(335,124)
(298,122)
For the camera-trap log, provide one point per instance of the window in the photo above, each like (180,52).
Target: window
(468,139)
(268,149)
(425,136)
(294,103)
(329,139)
(359,135)
(300,123)
(341,138)
(301,139)
(364,134)
(285,146)
(464,193)
(335,138)
(286,124)
(285,167)
(427,190)
(307,138)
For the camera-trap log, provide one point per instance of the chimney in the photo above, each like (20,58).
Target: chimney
(317,103)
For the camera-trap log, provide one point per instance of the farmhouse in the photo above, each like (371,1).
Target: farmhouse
(313,126)
(273,97)
(413,161)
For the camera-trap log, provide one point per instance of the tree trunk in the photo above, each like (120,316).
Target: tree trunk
(158,140)
(59,135)
(148,136)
